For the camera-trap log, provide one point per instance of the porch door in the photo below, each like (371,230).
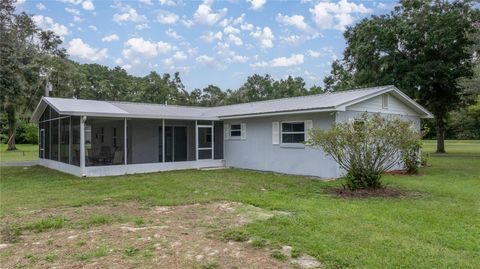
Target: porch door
(175,143)
(205,142)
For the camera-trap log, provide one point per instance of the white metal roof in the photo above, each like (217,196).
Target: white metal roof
(336,101)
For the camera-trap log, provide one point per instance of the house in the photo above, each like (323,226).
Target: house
(102,138)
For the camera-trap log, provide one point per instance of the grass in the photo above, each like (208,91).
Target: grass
(24,152)
(435,228)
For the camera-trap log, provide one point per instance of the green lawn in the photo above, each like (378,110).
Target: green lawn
(438,227)
(24,152)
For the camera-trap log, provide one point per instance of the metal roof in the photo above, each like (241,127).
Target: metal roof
(336,101)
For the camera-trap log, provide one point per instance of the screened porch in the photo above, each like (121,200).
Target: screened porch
(91,146)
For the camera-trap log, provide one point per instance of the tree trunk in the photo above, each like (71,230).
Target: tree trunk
(12,126)
(440,126)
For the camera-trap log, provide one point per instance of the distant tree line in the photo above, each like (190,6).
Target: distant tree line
(427,48)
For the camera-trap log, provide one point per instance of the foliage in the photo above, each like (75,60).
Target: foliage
(423,47)
(27,133)
(411,158)
(366,147)
(25,52)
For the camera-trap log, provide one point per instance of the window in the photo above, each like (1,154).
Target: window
(385,101)
(235,130)
(293,132)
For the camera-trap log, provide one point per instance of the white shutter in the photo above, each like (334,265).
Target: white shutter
(243,128)
(226,130)
(308,126)
(275,133)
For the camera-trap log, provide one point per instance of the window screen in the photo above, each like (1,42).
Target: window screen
(293,132)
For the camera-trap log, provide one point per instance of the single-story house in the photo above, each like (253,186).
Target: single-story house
(103,138)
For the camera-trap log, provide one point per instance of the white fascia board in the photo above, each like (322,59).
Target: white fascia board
(127,115)
(330,109)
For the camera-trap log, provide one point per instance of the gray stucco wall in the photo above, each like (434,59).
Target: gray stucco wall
(257,151)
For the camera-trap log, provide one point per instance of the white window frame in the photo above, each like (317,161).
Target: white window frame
(239,130)
(282,132)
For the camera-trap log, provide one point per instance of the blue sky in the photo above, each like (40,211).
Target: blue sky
(208,42)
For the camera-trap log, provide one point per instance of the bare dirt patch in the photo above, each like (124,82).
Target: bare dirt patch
(366,193)
(131,235)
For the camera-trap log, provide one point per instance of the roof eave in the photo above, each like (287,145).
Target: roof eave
(284,112)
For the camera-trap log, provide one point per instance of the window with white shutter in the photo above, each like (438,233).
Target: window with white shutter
(243,131)
(226,131)
(308,126)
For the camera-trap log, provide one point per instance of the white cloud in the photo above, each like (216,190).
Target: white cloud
(166,17)
(294,59)
(296,21)
(265,37)
(187,23)
(209,61)
(172,33)
(239,59)
(244,26)
(88,5)
(119,61)
(77,48)
(211,36)
(292,40)
(142,26)
(145,48)
(204,59)
(167,3)
(40,6)
(72,11)
(338,16)
(205,15)
(47,23)
(93,27)
(257,4)
(314,54)
(110,38)
(127,66)
(231,30)
(235,40)
(77,19)
(179,56)
(146,2)
(128,14)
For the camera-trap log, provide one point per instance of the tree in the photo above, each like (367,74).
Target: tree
(366,147)
(421,47)
(24,51)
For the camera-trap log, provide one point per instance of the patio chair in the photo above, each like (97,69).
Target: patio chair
(118,157)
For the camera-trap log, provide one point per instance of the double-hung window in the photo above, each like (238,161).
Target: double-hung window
(235,130)
(293,132)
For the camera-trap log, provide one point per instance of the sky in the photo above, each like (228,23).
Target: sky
(208,42)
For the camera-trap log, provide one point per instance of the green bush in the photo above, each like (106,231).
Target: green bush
(411,159)
(27,133)
(366,147)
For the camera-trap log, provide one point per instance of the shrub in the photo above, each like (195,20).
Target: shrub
(366,147)
(411,159)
